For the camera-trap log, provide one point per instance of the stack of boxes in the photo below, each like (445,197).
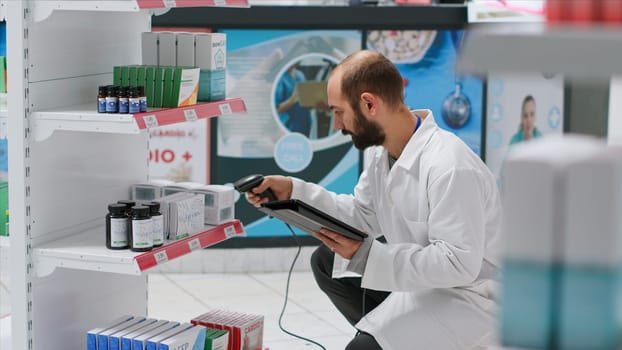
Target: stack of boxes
(561,285)
(591,300)
(183,214)
(139,333)
(219,206)
(219,201)
(165,86)
(200,56)
(245,331)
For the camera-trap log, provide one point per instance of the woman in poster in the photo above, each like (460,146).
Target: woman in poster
(527,128)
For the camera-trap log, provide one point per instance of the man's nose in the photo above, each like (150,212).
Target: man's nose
(337,123)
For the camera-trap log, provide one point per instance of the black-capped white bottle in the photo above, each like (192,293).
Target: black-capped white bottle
(141,229)
(117,227)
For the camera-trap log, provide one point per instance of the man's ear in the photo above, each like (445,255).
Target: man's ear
(369,102)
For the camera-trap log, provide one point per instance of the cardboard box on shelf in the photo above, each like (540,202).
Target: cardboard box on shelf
(312,93)
(211,58)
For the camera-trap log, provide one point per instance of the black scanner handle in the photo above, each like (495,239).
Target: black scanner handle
(249,182)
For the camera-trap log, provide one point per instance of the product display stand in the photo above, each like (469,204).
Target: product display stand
(583,53)
(84,118)
(67,163)
(534,47)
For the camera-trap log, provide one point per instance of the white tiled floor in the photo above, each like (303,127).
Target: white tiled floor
(309,313)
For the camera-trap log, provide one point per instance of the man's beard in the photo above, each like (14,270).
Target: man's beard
(368,132)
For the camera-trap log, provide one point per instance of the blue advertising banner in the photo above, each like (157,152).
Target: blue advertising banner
(426,60)
(288,129)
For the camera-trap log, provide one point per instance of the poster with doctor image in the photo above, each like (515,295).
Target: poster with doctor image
(288,128)
(426,59)
(521,107)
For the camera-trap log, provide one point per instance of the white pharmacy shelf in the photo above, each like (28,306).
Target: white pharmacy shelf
(5,241)
(586,53)
(43,9)
(5,331)
(86,118)
(87,251)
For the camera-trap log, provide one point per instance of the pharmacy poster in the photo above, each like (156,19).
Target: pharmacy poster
(180,152)
(288,129)
(521,107)
(426,59)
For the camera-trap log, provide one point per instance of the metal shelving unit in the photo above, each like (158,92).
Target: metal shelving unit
(84,118)
(87,251)
(67,163)
(582,53)
(586,54)
(318,17)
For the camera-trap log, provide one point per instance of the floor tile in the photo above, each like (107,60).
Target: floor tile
(309,313)
(329,343)
(213,285)
(303,290)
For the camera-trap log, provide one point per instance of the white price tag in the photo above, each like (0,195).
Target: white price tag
(161,257)
(170,3)
(151,121)
(191,115)
(194,244)
(229,231)
(220,2)
(225,109)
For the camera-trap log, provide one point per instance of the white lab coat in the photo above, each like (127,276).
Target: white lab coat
(440,212)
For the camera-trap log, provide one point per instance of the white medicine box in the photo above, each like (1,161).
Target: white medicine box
(210,51)
(219,203)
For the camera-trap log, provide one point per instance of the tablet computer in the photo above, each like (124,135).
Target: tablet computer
(309,219)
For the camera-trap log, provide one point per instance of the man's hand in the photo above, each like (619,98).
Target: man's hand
(281,186)
(339,244)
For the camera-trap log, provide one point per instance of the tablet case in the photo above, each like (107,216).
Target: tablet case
(309,219)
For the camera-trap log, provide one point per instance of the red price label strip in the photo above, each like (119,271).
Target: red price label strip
(150,121)
(161,257)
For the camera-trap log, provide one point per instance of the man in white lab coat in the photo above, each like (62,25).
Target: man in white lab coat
(432,285)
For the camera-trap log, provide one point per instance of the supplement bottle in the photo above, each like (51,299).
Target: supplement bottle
(124,101)
(129,204)
(101,99)
(112,101)
(143,98)
(117,227)
(141,229)
(134,100)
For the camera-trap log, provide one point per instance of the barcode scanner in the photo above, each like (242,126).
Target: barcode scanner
(249,182)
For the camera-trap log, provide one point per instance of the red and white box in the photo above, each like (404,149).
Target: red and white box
(245,330)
